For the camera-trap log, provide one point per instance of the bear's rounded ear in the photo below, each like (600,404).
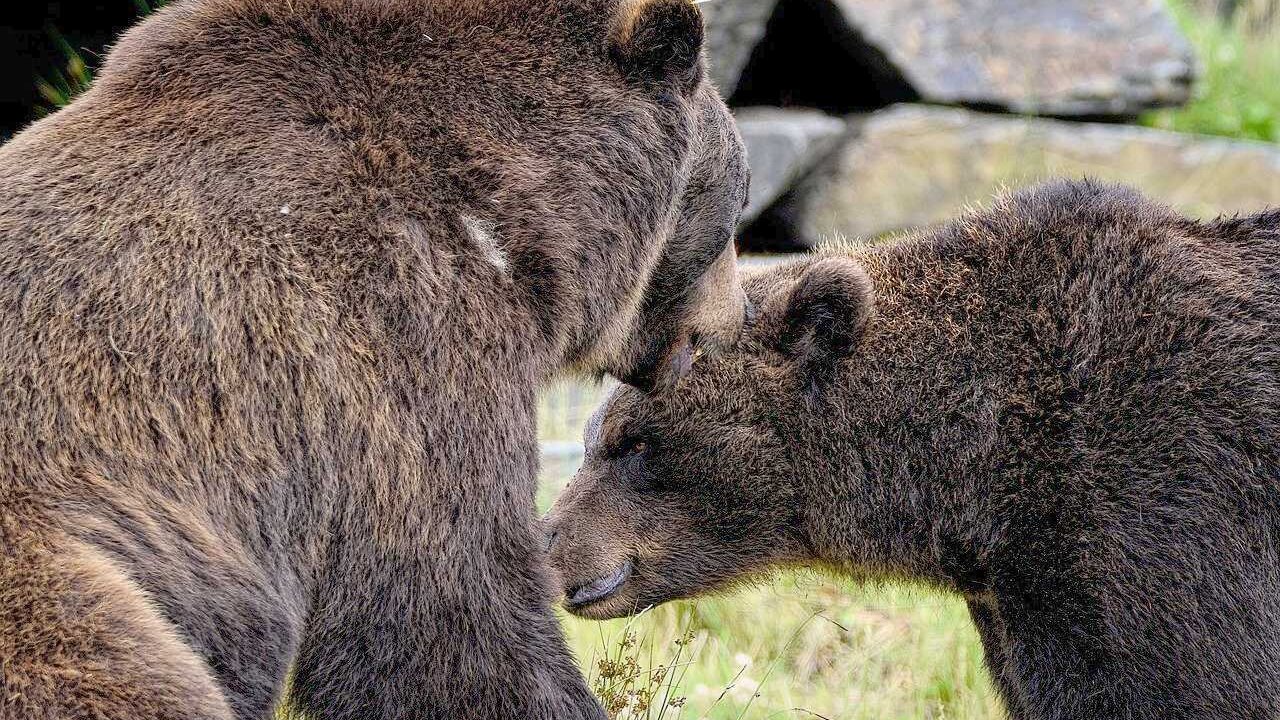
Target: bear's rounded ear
(658,40)
(826,312)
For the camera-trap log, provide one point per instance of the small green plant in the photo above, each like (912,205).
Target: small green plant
(1239,93)
(631,686)
(74,77)
(68,81)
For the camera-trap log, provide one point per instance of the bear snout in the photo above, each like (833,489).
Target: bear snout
(599,589)
(590,567)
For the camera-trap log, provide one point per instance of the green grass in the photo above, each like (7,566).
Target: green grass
(798,646)
(804,646)
(1239,94)
(65,83)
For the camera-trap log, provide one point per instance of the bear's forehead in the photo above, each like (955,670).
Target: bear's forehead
(606,416)
(625,406)
(595,426)
(719,384)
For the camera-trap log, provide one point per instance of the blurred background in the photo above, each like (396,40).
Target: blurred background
(865,119)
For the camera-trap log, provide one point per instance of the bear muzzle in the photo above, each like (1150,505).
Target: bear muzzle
(600,589)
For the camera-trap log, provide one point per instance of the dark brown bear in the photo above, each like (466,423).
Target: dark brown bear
(1065,408)
(276,296)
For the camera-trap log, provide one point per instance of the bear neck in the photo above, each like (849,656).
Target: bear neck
(908,443)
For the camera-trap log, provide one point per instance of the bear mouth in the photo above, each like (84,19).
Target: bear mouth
(600,589)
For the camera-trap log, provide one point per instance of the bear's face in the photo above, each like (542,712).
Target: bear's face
(689,488)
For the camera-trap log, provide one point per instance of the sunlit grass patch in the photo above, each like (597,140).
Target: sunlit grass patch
(1239,93)
(804,647)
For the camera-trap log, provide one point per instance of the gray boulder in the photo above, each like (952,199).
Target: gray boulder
(733,29)
(782,145)
(1047,57)
(911,165)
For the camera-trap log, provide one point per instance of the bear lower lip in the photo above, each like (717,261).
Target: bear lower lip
(600,588)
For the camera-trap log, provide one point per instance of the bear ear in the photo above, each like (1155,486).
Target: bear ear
(826,312)
(658,40)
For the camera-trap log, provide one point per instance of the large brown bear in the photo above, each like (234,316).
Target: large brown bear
(276,296)
(1065,408)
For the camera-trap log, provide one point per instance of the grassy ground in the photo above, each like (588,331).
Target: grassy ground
(799,646)
(1239,95)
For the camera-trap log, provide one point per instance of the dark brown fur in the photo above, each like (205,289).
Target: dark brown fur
(276,296)
(1065,408)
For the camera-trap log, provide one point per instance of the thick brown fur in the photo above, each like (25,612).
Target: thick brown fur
(276,296)
(1065,408)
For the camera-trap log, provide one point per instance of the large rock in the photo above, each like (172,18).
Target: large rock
(733,29)
(1048,57)
(913,165)
(782,145)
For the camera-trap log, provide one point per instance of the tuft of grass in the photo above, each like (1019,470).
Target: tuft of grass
(67,82)
(1239,95)
(631,684)
(75,77)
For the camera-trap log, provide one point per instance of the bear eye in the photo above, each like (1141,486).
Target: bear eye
(629,448)
(633,466)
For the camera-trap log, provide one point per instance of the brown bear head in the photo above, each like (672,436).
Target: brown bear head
(689,488)
(693,296)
